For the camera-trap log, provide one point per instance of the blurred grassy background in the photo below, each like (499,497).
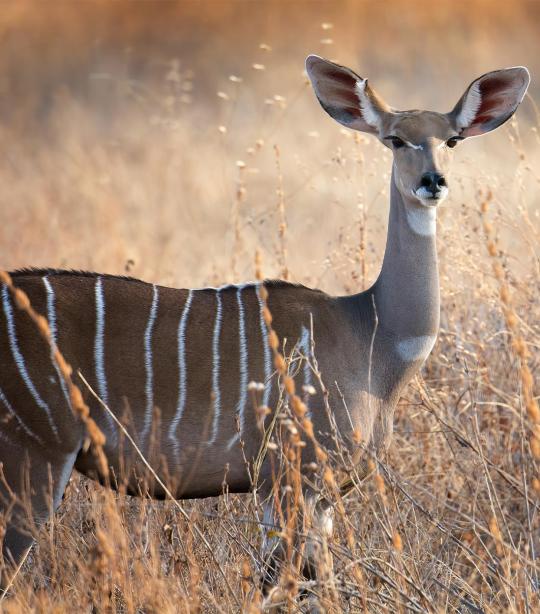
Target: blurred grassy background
(111,116)
(142,137)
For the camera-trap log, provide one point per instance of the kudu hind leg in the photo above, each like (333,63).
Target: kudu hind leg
(31,486)
(317,556)
(317,520)
(272,547)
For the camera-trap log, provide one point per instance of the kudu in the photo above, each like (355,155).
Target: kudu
(192,353)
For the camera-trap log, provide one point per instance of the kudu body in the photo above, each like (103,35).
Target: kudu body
(192,353)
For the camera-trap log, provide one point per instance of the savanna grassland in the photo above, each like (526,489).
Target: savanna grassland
(174,142)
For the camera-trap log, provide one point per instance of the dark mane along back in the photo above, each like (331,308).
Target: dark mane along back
(41,272)
(51,272)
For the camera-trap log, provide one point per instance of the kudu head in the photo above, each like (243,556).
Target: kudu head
(420,140)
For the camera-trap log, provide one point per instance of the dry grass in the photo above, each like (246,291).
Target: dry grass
(174,143)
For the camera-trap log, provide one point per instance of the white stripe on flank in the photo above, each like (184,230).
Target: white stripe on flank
(305,345)
(266,350)
(182,377)
(148,364)
(216,368)
(51,317)
(51,312)
(11,411)
(19,360)
(243,367)
(99,350)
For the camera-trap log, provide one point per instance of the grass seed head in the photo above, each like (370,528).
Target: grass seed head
(397,541)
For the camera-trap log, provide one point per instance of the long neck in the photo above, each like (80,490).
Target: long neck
(407,290)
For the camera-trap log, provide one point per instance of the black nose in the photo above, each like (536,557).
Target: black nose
(433,182)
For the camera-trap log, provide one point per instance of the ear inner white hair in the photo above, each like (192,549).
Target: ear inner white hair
(470,107)
(369,114)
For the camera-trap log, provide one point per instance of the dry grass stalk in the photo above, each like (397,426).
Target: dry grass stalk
(519,345)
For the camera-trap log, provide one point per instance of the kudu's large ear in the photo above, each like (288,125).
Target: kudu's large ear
(490,101)
(346,96)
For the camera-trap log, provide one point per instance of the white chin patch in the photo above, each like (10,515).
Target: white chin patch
(426,197)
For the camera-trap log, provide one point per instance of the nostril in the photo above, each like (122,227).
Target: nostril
(426,180)
(441,181)
(433,182)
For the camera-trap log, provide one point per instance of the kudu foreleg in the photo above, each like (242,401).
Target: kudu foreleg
(317,557)
(315,528)
(31,487)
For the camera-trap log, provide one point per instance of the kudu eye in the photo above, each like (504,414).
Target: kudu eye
(397,142)
(453,141)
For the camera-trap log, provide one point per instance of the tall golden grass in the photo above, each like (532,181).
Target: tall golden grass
(176,140)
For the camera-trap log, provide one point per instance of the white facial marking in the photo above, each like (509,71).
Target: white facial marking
(12,412)
(148,362)
(182,374)
(243,364)
(422,220)
(413,146)
(266,350)
(51,317)
(415,348)
(19,359)
(470,107)
(216,368)
(368,112)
